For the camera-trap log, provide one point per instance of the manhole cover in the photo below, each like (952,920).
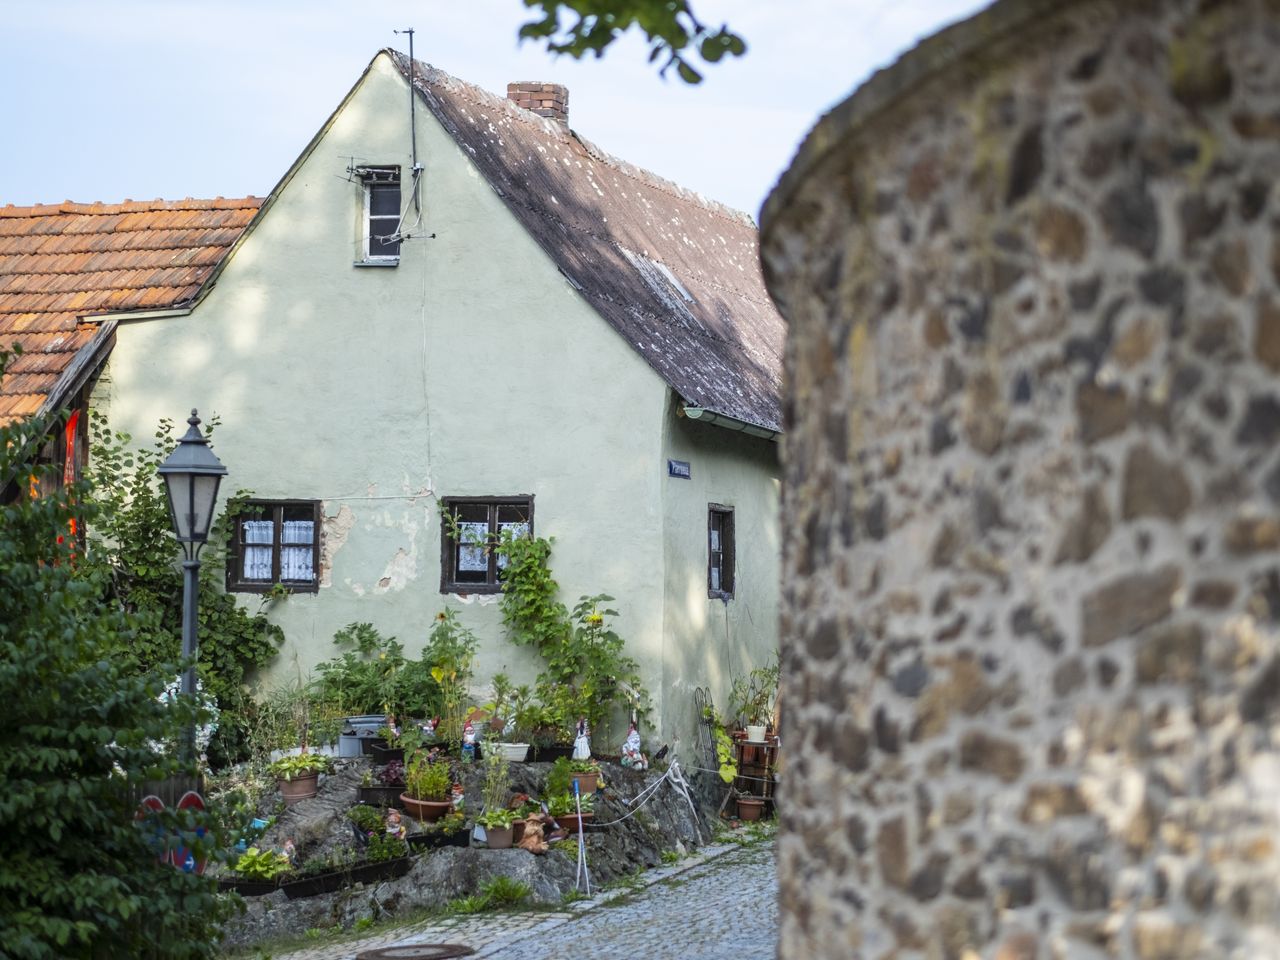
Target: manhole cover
(418,951)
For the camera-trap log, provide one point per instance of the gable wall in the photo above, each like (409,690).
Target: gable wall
(472,368)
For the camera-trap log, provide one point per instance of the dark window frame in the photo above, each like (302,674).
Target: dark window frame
(448,547)
(725,559)
(258,510)
(380,178)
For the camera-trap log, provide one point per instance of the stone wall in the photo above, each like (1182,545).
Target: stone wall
(1032,498)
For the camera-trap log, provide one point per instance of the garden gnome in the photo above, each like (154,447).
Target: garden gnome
(391,722)
(631,755)
(582,743)
(395,824)
(459,798)
(290,851)
(468,743)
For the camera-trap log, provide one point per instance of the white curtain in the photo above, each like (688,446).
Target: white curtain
(471,551)
(518,530)
(257,560)
(296,550)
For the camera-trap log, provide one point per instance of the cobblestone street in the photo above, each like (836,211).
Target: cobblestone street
(718,905)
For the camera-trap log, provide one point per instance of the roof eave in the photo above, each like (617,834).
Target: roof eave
(86,361)
(726,422)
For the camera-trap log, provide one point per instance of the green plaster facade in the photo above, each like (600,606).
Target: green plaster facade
(473,368)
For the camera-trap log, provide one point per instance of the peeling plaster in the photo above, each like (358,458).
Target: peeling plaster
(402,569)
(336,529)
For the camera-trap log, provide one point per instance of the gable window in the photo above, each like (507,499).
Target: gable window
(381,214)
(473,525)
(720,560)
(275,542)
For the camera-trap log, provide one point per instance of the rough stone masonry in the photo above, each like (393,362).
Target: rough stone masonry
(1032,568)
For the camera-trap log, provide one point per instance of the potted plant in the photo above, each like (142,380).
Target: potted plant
(497,817)
(498,827)
(587,775)
(428,787)
(561,803)
(751,701)
(519,717)
(564,810)
(383,788)
(298,774)
(451,830)
(257,872)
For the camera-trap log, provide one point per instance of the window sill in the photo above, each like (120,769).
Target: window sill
(268,587)
(465,588)
(719,595)
(377,263)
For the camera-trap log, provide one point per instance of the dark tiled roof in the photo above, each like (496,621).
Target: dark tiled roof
(60,262)
(676,275)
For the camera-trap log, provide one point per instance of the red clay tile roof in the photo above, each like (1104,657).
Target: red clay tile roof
(60,262)
(678,276)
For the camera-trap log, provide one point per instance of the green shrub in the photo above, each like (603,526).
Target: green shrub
(78,877)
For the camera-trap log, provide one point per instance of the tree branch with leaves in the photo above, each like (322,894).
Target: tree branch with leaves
(675,35)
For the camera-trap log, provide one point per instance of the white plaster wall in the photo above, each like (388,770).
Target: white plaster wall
(471,368)
(711,641)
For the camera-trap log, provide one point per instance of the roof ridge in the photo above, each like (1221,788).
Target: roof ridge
(482,97)
(129,206)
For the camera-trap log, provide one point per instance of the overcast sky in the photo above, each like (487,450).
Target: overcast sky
(115,99)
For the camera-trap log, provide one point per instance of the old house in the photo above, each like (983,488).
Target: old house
(453,299)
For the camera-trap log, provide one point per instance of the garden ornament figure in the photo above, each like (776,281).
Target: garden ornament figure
(631,755)
(582,742)
(395,824)
(468,743)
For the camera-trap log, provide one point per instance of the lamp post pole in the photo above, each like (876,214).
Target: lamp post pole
(191,475)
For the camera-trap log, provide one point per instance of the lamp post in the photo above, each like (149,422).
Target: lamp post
(191,477)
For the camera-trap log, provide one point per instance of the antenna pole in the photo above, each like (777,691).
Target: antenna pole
(413,123)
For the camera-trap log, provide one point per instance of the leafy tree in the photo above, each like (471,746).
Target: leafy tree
(78,877)
(669,25)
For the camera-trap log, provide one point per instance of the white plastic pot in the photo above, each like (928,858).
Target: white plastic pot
(512,752)
(755,733)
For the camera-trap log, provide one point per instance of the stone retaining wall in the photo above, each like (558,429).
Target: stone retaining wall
(1032,493)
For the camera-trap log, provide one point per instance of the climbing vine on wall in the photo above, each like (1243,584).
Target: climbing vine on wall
(133,553)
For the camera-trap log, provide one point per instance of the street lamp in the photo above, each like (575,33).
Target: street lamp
(191,477)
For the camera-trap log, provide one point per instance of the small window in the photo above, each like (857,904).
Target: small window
(469,563)
(275,542)
(720,572)
(381,214)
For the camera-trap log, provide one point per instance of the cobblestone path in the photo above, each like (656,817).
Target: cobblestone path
(720,905)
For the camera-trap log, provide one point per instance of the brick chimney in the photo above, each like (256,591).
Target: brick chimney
(544,99)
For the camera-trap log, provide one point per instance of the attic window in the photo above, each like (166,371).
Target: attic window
(381,214)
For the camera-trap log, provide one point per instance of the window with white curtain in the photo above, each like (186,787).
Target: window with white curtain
(275,542)
(469,561)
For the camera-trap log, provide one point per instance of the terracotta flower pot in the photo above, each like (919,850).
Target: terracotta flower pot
(569,821)
(750,808)
(499,838)
(587,782)
(299,788)
(426,810)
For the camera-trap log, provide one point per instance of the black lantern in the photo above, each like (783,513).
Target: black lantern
(191,477)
